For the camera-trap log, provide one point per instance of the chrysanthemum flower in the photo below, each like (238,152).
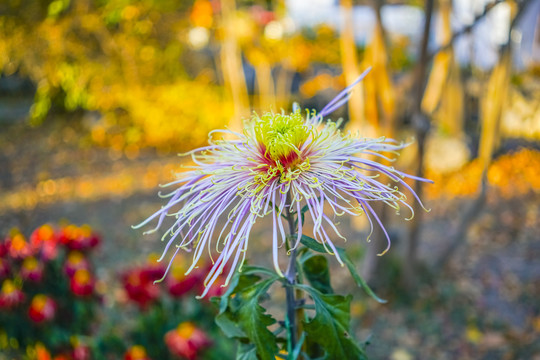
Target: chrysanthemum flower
(280,163)
(42,308)
(187,341)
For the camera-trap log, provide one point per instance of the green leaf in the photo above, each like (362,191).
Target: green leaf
(237,284)
(229,326)
(330,326)
(357,278)
(246,352)
(316,246)
(316,271)
(242,317)
(250,270)
(313,244)
(254,321)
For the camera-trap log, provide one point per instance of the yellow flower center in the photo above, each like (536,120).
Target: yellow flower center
(138,352)
(30,263)
(8,287)
(18,242)
(75,257)
(281,134)
(39,301)
(82,276)
(185,330)
(46,232)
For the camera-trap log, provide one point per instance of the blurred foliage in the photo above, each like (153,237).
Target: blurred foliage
(513,174)
(119,58)
(150,72)
(154,73)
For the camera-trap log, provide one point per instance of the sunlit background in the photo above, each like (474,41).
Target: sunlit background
(97,98)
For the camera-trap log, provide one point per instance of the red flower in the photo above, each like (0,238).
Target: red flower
(4,268)
(136,352)
(4,248)
(140,287)
(10,295)
(32,269)
(82,283)
(186,341)
(153,270)
(79,238)
(44,240)
(178,283)
(217,289)
(42,308)
(75,261)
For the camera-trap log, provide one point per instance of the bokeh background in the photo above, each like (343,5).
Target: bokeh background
(97,98)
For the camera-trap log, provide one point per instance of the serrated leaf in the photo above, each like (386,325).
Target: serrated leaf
(316,271)
(229,326)
(330,326)
(315,246)
(236,285)
(242,317)
(254,322)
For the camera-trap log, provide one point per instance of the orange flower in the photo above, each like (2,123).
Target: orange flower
(42,353)
(17,246)
(136,352)
(201,14)
(44,240)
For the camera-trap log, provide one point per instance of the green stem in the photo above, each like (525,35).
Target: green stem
(290,275)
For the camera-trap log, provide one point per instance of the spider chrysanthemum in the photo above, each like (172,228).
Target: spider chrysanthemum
(280,163)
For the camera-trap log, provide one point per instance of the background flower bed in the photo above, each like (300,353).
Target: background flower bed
(53,306)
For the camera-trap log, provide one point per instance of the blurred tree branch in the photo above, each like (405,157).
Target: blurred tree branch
(233,71)
(492,108)
(467,29)
(421,125)
(350,65)
(380,99)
